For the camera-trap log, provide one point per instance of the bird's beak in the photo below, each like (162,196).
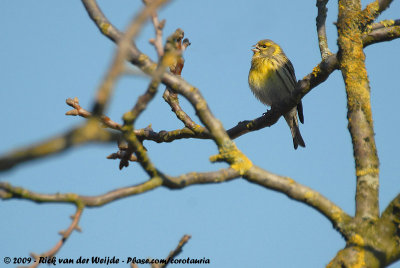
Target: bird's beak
(255,49)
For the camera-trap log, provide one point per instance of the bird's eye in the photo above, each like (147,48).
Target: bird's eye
(264,46)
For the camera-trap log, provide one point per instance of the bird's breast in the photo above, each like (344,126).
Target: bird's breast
(261,78)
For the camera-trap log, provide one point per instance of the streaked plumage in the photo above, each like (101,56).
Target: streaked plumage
(271,79)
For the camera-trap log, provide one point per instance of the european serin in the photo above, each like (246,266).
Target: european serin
(272,78)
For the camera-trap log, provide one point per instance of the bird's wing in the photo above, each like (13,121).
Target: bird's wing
(288,78)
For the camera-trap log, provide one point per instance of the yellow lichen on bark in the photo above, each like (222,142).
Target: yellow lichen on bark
(358,241)
(316,70)
(370,12)
(309,195)
(360,262)
(104,27)
(337,215)
(231,154)
(366,171)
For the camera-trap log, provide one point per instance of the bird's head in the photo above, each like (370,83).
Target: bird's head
(266,48)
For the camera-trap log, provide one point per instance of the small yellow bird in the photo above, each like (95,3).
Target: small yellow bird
(271,79)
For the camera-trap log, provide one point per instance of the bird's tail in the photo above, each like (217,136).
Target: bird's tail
(297,138)
(291,119)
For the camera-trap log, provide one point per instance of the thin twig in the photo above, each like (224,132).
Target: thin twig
(121,155)
(172,98)
(134,144)
(78,110)
(65,235)
(321,29)
(124,45)
(147,133)
(176,251)
(158,28)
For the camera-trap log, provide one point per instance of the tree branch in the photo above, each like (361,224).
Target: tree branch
(255,175)
(65,235)
(124,45)
(228,149)
(372,11)
(321,29)
(78,110)
(7,191)
(143,134)
(382,34)
(90,132)
(158,28)
(185,180)
(383,24)
(390,222)
(176,251)
(359,114)
(172,98)
(134,144)
(339,219)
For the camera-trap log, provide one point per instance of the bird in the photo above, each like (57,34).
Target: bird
(272,79)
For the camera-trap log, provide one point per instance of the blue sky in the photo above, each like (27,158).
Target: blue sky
(51,50)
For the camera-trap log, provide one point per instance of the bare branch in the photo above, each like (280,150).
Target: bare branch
(303,194)
(147,133)
(90,132)
(372,11)
(176,251)
(158,28)
(124,45)
(382,34)
(7,191)
(392,215)
(321,29)
(172,98)
(382,24)
(184,180)
(65,235)
(121,155)
(359,114)
(171,54)
(134,144)
(11,192)
(392,211)
(78,110)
